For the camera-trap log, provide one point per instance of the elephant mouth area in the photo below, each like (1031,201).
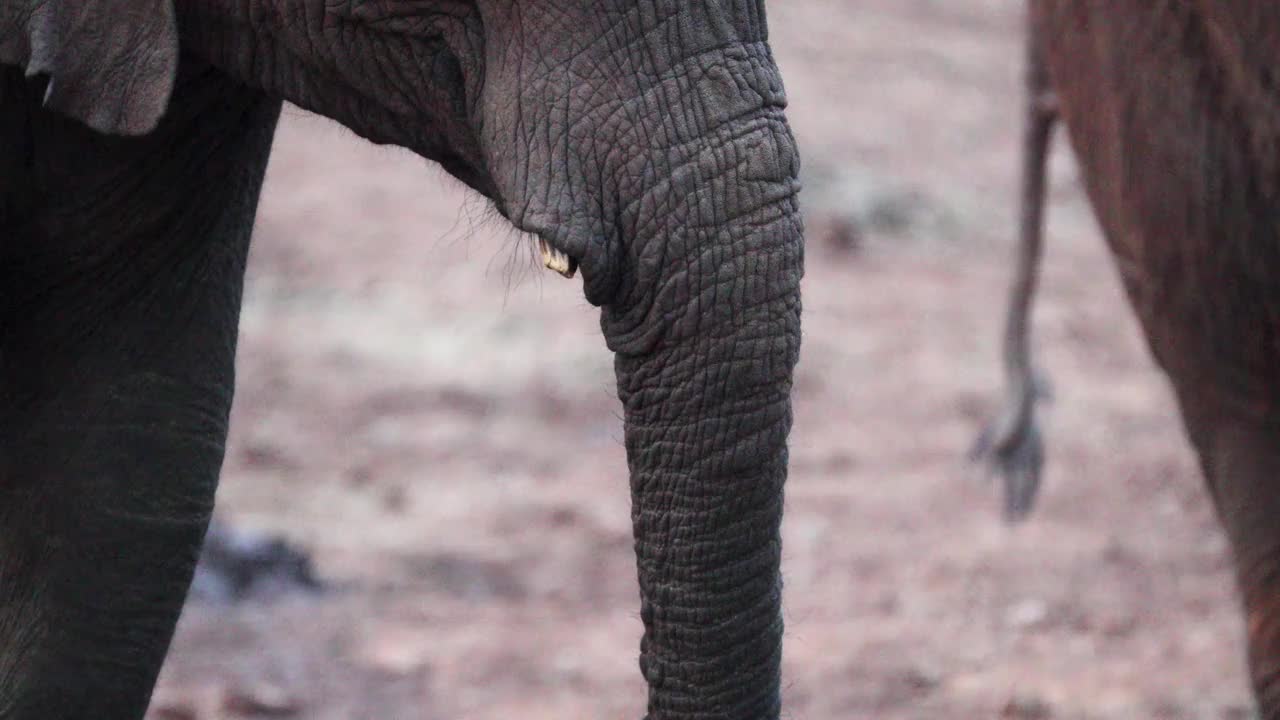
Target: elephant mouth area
(557,260)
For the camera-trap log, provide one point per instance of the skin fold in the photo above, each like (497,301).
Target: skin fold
(1173,111)
(645,139)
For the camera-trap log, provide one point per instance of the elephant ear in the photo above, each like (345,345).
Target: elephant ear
(111,63)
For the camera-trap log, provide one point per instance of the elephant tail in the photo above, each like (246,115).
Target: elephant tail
(1010,445)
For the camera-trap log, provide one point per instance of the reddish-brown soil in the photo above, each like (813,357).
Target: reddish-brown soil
(433,418)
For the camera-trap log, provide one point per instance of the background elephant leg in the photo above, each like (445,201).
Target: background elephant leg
(1240,455)
(1167,109)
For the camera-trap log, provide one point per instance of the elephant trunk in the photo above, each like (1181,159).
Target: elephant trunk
(704,371)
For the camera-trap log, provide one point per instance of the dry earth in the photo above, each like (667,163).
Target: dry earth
(433,418)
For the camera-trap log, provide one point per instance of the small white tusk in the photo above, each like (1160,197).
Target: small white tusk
(556,260)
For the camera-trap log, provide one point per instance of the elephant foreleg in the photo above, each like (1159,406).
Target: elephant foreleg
(100,526)
(108,466)
(119,302)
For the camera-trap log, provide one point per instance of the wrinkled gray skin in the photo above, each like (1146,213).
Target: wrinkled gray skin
(645,138)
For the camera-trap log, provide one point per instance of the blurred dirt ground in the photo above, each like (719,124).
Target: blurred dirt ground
(433,418)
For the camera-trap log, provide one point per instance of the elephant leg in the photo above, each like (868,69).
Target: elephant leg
(108,466)
(1240,456)
(1168,110)
(100,525)
(107,476)
(120,286)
